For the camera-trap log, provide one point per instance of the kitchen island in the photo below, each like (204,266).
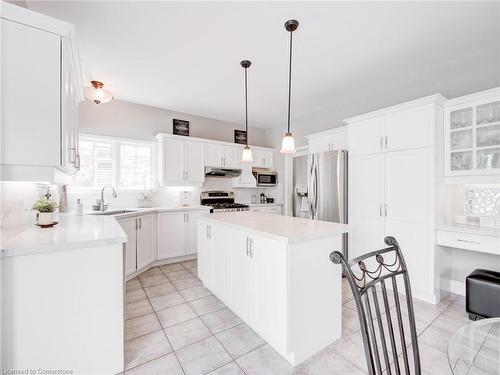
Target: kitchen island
(274,272)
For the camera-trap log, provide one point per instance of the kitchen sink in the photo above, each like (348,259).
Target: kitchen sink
(113,212)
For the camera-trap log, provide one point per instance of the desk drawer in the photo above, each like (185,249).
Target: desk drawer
(472,242)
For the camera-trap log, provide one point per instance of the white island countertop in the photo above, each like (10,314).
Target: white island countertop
(284,228)
(470,229)
(72,232)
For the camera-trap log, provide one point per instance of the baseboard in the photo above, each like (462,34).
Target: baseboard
(457,287)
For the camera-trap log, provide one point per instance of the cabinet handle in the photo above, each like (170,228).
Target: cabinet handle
(469,241)
(72,156)
(187,175)
(386,142)
(207,232)
(385,209)
(250,247)
(381,143)
(77,161)
(380,210)
(247,247)
(136,223)
(187,218)
(140,223)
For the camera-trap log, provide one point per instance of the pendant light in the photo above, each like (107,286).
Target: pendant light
(288,142)
(97,94)
(246,154)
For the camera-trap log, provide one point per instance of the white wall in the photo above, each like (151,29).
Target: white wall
(130,120)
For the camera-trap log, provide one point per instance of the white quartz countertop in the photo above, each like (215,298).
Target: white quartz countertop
(72,232)
(283,228)
(470,229)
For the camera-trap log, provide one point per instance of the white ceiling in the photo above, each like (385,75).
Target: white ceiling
(349,57)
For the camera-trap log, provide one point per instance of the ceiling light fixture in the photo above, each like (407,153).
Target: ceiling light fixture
(97,94)
(246,154)
(288,142)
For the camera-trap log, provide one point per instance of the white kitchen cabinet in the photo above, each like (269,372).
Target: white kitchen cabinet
(472,135)
(205,253)
(241,280)
(171,234)
(41,89)
(392,187)
(146,240)
(181,162)
(365,137)
(140,249)
(271,209)
(222,156)
(262,158)
(329,140)
(129,226)
(177,233)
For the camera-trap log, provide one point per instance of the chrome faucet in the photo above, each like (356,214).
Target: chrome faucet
(102,205)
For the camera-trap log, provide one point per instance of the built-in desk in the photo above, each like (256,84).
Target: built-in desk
(469,237)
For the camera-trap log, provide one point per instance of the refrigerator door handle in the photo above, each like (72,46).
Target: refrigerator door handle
(342,185)
(311,179)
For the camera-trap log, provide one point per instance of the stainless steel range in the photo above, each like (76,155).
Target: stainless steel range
(221,201)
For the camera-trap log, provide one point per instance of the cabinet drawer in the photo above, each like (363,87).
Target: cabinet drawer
(472,242)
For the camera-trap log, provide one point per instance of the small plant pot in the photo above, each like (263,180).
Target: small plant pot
(45,218)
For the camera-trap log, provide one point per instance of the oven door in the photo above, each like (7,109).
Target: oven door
(267,179)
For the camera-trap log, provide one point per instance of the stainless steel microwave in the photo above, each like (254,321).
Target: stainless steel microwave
(265,177)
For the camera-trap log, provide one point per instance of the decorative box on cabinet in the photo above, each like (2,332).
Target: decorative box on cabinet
(472,134)
(41,89)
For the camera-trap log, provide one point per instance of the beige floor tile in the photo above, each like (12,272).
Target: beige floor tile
(350,321)
(153,279)
(206,305)
(194,271)
(264,360)
(167,300)
(326,362)
(175,314)
(196,292)
(141,325)
(164,365)
(202,357)
(135,296)
(436,337)
(187,333)
(146,348)
(172,267)
(133,284)
(240,340)
(178,275)
(151,271)
(188,282)
(221,320)
(231,368)
(160,289)
(135,309)
(190,263)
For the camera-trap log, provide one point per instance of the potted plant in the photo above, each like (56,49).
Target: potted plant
(45,208)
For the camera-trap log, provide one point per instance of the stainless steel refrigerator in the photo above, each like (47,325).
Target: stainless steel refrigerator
(320,188)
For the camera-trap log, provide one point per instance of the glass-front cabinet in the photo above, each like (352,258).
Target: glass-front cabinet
(472,135)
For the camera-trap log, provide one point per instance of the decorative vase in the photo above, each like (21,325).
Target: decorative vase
(45,218)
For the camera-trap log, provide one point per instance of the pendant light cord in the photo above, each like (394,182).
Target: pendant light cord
(246,105)
(290,81)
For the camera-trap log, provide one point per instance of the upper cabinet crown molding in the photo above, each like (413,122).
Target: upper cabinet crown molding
(324,133)
(159,136)
(431,99)
(481,95)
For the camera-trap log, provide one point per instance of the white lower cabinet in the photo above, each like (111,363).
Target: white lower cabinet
(140,249)
(267,209)
(177,233)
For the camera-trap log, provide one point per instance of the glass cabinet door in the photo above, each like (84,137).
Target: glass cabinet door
(461,118)
(488,113)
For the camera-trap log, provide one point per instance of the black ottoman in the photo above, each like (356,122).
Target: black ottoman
(482,294)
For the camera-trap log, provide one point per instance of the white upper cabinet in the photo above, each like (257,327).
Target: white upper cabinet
(472,134)
(366,137)
(402,127)
(41,89)
(262,158)
(329,140)
(181,162)
(222,156)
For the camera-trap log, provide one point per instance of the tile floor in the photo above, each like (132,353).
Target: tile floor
(176,326)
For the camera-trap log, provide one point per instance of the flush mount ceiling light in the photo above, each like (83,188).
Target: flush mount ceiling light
(97,94)
(288,142)
(246,154)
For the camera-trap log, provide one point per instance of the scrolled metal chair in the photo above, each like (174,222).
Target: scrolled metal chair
(366,274)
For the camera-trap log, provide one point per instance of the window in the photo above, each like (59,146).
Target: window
(121,163)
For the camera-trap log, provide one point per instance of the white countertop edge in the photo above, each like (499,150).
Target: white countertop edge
(287,239)
(148,210)
(264,204)
(470,229)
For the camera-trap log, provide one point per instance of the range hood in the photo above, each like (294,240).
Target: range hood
(222,172)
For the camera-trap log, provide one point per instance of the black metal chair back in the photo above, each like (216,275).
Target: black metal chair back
(370,276)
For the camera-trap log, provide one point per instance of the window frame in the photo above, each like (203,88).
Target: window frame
(116,142)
